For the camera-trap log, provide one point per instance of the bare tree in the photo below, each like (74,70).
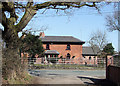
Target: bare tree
(113,19)
(98,39)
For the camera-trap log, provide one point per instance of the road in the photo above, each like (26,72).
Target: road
(68,76)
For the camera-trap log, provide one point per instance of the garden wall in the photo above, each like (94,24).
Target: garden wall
(113,74)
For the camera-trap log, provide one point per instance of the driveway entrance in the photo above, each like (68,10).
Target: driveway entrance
(68,76)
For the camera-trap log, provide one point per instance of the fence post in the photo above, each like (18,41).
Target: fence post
(107,68)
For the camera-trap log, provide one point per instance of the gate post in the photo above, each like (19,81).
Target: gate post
(107,68)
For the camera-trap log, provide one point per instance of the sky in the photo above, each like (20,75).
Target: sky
(79,23)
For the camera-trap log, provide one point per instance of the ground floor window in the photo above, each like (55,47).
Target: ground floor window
(84,57)
(51,55)
(68,56)
(90,58)
(73,57)
(56,55)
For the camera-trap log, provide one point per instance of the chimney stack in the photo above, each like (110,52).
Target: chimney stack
(42,34)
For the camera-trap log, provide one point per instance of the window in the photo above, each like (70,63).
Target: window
(84,57)
(68,56)
(56,55)
(68,47)
(73,57)
(47,46)
(61,57)
(90,58)
(51,55)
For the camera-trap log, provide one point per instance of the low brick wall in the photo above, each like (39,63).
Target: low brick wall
(113,74)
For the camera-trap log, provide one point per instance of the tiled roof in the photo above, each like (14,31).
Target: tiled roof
(52,52)
(87,50)
(61,39)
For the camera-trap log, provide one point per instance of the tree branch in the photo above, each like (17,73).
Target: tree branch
(5,23)
(4,19)
(29,13)
(30,10)
(67,4)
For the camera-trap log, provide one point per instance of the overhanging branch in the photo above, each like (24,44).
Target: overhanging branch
(31,10)
(67,4)
(29,13)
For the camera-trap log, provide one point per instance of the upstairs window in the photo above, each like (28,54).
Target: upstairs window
(47,47)
(68,47)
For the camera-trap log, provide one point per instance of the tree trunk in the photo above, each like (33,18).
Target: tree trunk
(11,66)
(11,62)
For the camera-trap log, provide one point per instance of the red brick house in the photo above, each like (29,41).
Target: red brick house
(67,47)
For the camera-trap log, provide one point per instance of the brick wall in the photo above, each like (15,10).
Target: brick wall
(113,74)
(109,60)
(76,50)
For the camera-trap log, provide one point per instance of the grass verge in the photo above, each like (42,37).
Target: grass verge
(65,66)
(24,79)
